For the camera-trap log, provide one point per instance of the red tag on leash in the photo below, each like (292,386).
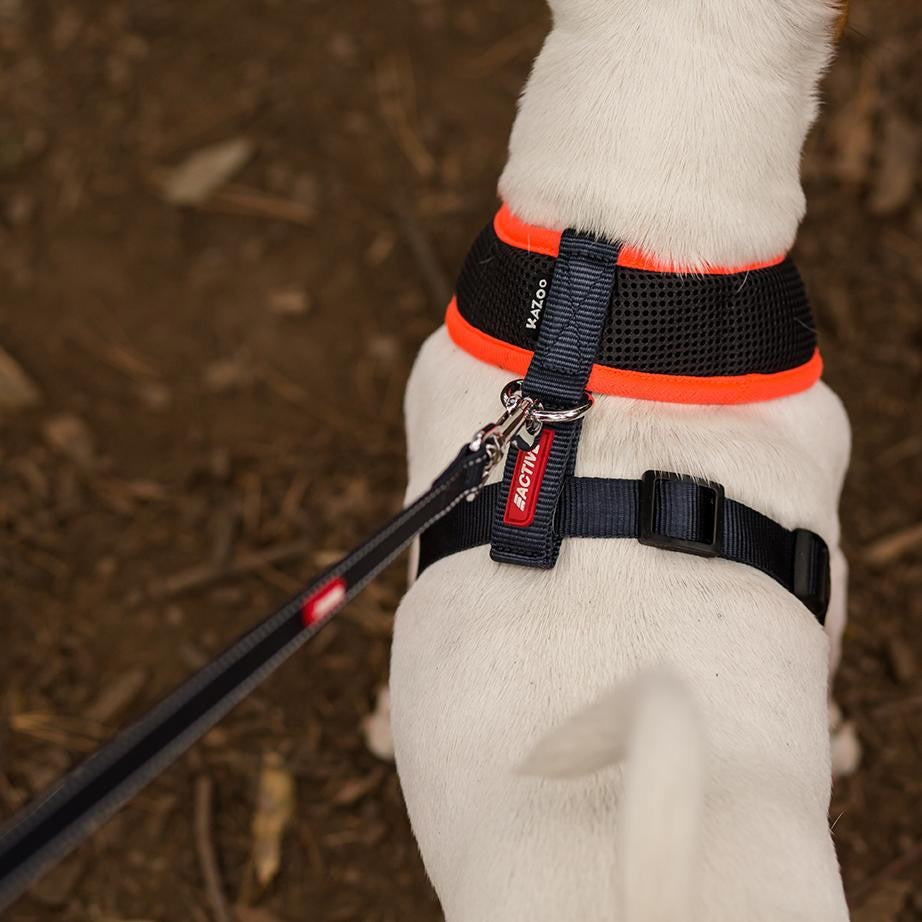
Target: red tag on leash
(323,602)
(526,482)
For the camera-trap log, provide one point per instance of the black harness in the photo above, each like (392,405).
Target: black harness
(540,502)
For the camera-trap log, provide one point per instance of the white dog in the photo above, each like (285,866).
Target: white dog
(675,126)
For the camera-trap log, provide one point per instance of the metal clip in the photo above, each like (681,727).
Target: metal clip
(517,417)
(520,424)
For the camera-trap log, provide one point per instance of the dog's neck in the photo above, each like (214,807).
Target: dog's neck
(675,126)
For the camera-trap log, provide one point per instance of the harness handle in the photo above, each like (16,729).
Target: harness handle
(582,287)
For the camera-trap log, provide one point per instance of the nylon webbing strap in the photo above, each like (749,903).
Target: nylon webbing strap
(573,316)
(683,511)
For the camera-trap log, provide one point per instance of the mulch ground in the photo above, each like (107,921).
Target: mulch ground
(210,409)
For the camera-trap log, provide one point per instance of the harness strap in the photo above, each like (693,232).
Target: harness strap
(575,310)
(662,510)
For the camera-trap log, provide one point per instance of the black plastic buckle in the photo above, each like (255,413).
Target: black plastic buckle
(811,572)
(714,492)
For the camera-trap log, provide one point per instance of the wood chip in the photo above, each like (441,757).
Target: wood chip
(204,847)
(275,802)
(354,789)
(147,491)
(203,172)
(205,574)
(74,733)
(226,375)
(380,248)
(70,436)
(902,660)
(154,395)
(252,203)
(289,302)
(896,174)
(894,545)
(117,695)
(17,390)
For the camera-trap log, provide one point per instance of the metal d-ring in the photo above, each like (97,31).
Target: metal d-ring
(511,394)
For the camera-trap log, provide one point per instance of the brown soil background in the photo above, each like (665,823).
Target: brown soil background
(220,393)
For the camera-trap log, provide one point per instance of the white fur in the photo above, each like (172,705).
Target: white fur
(675,125)
(488,657)
(376,727)
(653,723)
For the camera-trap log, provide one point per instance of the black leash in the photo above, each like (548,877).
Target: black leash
(524,518)
(49,827)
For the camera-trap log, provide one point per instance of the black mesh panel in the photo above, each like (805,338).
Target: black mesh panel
(661,323)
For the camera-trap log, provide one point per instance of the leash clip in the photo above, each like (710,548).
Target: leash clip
(520,424)
(517,421)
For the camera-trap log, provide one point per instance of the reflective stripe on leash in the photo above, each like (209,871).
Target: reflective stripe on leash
(54,823)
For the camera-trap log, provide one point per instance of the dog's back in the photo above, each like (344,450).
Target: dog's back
(676,127)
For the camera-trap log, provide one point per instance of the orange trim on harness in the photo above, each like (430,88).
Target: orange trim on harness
(641,385)
(524,236)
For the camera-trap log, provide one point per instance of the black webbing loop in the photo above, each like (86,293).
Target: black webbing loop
(684,512)
(573,316)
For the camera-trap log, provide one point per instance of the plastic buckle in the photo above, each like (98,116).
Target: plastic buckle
(811,572)
(651,537)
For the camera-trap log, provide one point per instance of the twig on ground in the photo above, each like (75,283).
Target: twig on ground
(397,92)
(77,734)
(275,577)
(205,850)
(424,253)
(206,574)
(237,199)
(890,547)
(251,203)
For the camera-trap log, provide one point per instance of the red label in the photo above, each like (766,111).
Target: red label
(323,602)
(526,482)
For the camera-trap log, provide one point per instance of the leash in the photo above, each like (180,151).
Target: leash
(573,309)
(54,823)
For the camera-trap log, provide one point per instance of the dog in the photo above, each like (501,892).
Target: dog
(636,734)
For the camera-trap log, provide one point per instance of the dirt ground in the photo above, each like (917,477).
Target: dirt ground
(213,409)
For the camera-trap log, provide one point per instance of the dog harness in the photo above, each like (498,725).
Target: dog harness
(575,314)
(725,337)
